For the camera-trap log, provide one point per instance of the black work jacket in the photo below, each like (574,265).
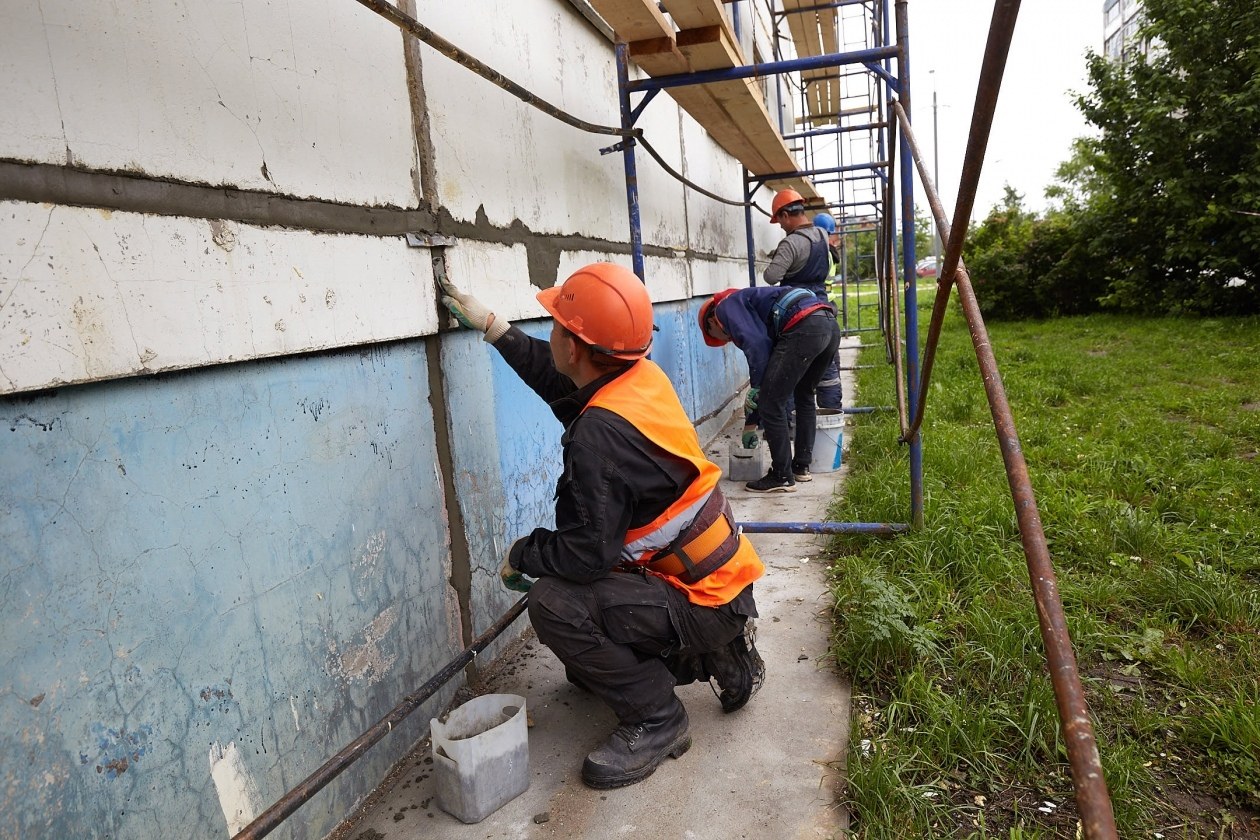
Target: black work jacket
(614,478)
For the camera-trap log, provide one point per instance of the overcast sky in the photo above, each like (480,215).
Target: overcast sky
(1035,121)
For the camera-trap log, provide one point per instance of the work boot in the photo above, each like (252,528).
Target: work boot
(632,752)
(738,669)
(771,483)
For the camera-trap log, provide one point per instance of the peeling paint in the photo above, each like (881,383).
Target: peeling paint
(117,749)
(238,793)
(222,234)
(366,661)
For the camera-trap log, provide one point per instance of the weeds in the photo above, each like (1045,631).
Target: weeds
(1141,438)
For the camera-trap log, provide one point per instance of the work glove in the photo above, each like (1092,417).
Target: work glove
(472,313)
(513,579)
(750,400)
(749,439)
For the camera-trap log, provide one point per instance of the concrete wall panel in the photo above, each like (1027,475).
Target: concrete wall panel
(506,462)
(301,98)
(497,275)
(89,294)
(245,564)
(497,154)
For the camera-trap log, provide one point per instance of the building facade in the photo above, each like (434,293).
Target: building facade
(254,486)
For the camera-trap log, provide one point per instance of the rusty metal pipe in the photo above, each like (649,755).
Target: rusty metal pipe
(1001,30)
(271,818)
(1092,798)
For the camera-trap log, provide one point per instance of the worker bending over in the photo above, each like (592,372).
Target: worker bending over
(788,336)
(645,583)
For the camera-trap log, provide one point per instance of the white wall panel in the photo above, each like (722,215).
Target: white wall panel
(709,276)
(301,97)
(497,275)
(89,294)
(496,152)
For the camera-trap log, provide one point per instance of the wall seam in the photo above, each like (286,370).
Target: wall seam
(426,180)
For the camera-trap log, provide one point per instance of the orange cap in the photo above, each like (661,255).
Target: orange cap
(784,198)
(706,309)
(607,307)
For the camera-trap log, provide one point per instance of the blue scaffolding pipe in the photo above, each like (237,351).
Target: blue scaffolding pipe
(908,264)
(637,111)
(883,74)
(815,62)
(853,167)
(870,528)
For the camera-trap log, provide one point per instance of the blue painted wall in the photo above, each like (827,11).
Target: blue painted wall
(256,555)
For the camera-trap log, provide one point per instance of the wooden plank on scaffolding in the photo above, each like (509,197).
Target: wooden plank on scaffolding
(634,20)
(814,33)
(709,49)
(698,101)
(733,112)
(701,14)
(828,24)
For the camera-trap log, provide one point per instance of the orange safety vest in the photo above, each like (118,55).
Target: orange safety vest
(645,398)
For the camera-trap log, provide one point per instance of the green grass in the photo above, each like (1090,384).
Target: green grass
(1141,438)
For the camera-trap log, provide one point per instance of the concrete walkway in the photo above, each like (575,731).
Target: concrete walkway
(770,770)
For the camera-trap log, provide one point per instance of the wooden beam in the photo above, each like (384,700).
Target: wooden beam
(633,20)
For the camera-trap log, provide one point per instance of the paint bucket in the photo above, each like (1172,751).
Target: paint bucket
(481,756)
(745,464)
(828,441)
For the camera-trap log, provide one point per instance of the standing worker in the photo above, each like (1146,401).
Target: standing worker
(788,336)
(645,583)
(803,259)
(827,224)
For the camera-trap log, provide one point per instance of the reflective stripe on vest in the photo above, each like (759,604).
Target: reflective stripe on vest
(645,398)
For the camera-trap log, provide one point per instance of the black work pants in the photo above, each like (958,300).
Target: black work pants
(797,363)
(630,638)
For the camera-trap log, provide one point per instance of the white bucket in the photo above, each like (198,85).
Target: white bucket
(481,756)
(828,441)
(745,464)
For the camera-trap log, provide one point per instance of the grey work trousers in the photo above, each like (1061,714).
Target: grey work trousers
(630,638)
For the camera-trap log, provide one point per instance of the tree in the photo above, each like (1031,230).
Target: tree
(1171,186)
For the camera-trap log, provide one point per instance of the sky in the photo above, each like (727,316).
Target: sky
(1035,121)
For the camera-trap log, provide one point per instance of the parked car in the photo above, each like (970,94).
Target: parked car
(926,267)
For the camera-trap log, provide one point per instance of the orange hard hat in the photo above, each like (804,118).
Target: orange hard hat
(607,307)
(785,198)
(706,309)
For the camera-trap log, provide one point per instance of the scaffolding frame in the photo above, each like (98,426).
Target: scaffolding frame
(876,57)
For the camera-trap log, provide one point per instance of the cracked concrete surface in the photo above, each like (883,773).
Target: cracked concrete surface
(771,770)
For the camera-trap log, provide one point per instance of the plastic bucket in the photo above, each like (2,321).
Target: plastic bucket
(481,756)
(745,464)
(828,441)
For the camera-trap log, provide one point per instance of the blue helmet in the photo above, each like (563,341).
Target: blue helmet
(824,221)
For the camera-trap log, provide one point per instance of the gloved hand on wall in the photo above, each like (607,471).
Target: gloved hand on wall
(513,579)
(472,313)
(750,400)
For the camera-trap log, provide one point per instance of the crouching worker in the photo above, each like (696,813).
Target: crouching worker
(789,337)
(644,583)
